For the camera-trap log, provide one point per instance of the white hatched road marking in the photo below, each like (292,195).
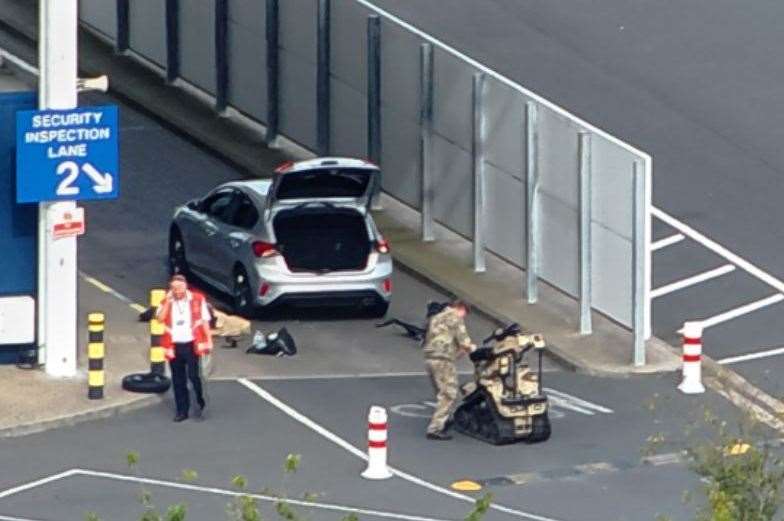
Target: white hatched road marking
(337,440)
(767,353)
(37,483)
(742,310)
(667,241)
(691,281)
(720,250)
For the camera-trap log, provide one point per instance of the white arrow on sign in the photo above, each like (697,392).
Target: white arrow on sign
(103,182)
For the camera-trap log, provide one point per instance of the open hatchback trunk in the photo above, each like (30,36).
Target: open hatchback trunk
(318,216)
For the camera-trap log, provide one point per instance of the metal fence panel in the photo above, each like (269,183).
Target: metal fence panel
(148,30)
(298,71)
(506,129)
(247,58)
(452,184)
(349,47)
(197,43)
(400,156)
(100,15)
(349,120)
(505,214)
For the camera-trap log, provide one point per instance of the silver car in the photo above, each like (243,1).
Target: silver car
(304,237)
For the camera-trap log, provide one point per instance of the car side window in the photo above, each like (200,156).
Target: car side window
(218,205)
(246,214)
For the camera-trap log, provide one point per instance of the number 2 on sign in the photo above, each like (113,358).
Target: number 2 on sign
(71,170)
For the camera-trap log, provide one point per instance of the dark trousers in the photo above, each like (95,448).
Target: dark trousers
(184,367)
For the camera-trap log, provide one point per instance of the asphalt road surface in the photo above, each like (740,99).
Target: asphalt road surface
(308,405)
(696,85)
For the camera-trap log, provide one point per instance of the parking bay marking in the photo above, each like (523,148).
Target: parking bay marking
(337,440)
(207,490)
(558,400)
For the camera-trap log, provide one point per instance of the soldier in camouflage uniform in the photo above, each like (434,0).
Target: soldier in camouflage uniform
(445,341)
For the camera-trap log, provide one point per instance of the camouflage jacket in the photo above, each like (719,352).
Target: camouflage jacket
(446,333)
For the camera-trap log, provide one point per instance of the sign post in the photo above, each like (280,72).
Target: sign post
(57,259)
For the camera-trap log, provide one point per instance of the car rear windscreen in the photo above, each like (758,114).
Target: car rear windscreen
(324,183)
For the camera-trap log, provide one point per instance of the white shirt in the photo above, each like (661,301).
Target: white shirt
(181,329)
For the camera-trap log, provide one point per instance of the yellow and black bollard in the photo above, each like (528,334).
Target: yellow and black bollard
(95,354)
(157,358)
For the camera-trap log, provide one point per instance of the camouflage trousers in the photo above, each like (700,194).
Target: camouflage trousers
(443,376)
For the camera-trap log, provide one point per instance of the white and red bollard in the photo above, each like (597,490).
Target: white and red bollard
(692,359)
(377,445)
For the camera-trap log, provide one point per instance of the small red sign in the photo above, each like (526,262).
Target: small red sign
(69,223)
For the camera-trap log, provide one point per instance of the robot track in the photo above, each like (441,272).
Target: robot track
(478,418)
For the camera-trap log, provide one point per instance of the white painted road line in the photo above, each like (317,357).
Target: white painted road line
(718,249)
(742,310)
(37,483)
(337,440)
(578,401)
(752,356)
(691,281)
(667,241)
(261,497)
(11,518)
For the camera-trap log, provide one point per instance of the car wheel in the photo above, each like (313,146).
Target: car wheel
(242,296)
(178,264)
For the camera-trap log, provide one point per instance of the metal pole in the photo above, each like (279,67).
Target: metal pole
(584,147)
(322,79)
(122,42)
(273,86)
(426,138)
(374,99)
(57,258)
(638,265)
(478,153)
(532,202)
(172,40)
(221,55)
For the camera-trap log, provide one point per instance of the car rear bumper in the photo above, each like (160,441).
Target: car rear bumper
(334,289)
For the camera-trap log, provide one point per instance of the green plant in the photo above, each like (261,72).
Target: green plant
(481,506)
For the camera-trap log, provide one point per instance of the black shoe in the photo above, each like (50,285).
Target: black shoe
(440,436)
(180,418)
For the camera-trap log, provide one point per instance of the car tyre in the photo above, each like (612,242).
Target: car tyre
(178,264)
(149,383)
(242,296)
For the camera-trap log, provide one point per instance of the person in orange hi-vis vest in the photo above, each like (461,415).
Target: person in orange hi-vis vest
(186,319)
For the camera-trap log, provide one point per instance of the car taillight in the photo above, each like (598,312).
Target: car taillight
(387,285)
(264,249)
(382,246)
(264,289)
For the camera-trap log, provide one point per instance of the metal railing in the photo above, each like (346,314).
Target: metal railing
(462,144)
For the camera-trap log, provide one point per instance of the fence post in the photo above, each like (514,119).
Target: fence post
(478,153)
(221,55)
(122,42)
(584,152)
(374,100)
(426,138)
(273,92)
(322,79)
(532,202)
(172,40)
(638,268)
(157,328)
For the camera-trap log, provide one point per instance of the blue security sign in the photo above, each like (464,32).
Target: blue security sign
(67,155)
